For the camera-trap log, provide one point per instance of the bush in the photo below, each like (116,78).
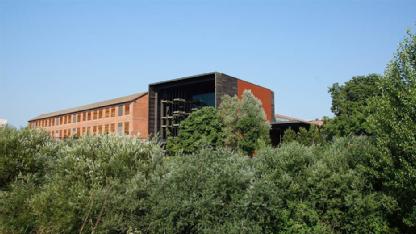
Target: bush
(203,128)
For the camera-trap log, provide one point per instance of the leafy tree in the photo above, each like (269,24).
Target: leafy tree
(350,105)
(393,122)
(310,136)
(201,129)
(245,124)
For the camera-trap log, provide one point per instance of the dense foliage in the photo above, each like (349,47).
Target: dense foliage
(203,128)
(350,105)
(119,184)
(393,122)
(239,124)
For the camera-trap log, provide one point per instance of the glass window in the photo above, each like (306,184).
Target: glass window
(100,114)
(120,110)
(84,116)
(95,114)
(126,128)
(100,129)
(74,118)
(112,127)
(79,117)
(89,115)
(106,129)
(107,112)
(120,128)
(113,111)
(127,109)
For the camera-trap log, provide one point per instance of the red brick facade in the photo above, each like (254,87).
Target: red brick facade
(128,118)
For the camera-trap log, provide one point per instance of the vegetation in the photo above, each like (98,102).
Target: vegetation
(349,177)
(239,124)
(203,128)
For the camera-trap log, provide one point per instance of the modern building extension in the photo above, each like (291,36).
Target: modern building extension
(156,112)
(124,115)
(171,101)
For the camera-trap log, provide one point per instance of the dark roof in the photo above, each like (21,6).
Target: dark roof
(92,106)
(185,78)
(283,119)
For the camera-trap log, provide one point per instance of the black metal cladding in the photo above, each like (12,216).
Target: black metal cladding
(171,101)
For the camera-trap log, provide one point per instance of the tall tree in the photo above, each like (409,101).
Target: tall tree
(245,124)
(393,121)
(350,105)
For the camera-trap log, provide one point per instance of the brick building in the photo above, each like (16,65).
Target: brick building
(157,111)
(124,115)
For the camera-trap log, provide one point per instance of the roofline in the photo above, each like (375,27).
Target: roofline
(184,78)
(88,107)
(215,73)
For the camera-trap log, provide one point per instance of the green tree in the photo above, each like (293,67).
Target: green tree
(201,129)
(393,122)
(245,124)
(350,105)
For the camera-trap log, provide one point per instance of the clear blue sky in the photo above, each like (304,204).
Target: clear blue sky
(56,54)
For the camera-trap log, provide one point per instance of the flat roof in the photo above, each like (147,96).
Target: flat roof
(202,75)
(92,106)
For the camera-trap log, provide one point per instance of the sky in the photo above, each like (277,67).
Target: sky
(57,54)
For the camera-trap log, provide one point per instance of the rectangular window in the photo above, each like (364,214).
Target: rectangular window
(127,109)
(74,131)
(65,119)
(126,128)
(100,129)
(69,118)
(100,114)
(78,132)
(84,116)
(112,127)
(89,115)
(106,129)
(107,112)
(120,110)
(113,112)
(120,128)
(83,130)
(88,130)
(95,114)
(74,118)
(61,120)
(64,133)
(60,134)
(94,130)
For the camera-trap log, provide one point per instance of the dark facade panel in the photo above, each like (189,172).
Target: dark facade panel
(224,85)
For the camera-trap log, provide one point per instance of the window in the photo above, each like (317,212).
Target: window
(83,130)
(95,114)
(78,131)
(127,109)
(100,129)
(106,129)
(120,128)
(84,116)
(74,131)
(126,128)
(65,119)
(107,112)
(120,110)
(60,134)
(69,118)
(94,130)
(61,120)
(113,111)
(100,114)
(89,115)
(74,118)
(64,133)
(112,127)
(88,130)
(57,121)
